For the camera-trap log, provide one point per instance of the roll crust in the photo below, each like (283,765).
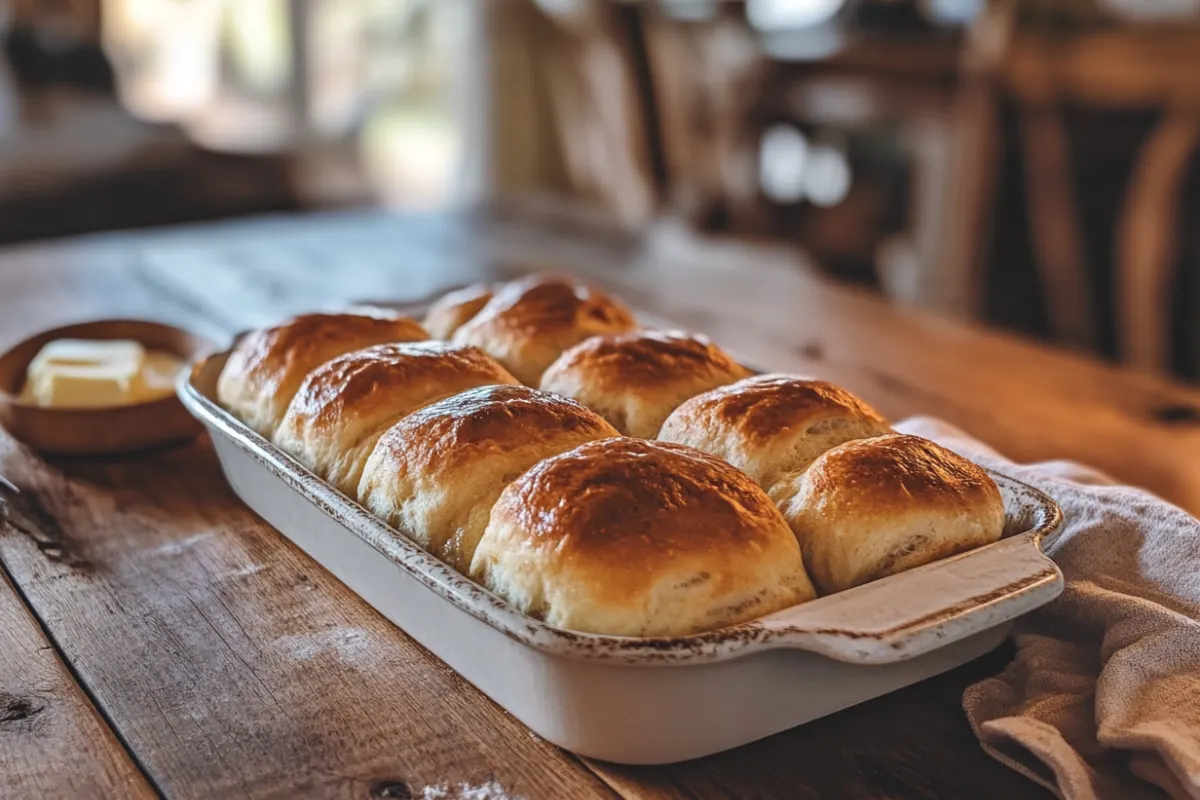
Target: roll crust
(633,537)
(436,473)
(267,366)
(455,308)
(529,323)
(876,507)
(772,426)
(345,405)
(635,380)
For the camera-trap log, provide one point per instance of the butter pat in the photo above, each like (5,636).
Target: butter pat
(85,387)
(84,373)
(89,353)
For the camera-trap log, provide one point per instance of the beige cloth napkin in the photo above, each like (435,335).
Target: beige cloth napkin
(1103,697)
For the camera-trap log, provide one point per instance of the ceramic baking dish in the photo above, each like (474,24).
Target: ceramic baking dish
(651,701)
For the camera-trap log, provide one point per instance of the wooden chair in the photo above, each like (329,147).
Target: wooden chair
(1126,69)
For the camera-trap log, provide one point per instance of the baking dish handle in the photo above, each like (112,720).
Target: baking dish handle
(906,615)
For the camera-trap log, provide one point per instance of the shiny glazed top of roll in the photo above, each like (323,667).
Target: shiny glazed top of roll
(772,426)
(455,308)
(345,404)
(875,507)
(633,537)
(267,366)
(530,322)
(635,380)
(436,473)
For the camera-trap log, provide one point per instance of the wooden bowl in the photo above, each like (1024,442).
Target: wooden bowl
(98,431)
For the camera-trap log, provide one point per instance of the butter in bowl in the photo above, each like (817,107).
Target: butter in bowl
(99,373)
(101,387)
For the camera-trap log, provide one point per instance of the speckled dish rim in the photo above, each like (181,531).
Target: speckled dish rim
(889,620)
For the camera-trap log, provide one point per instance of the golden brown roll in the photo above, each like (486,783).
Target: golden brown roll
(634,380)
(770,426)
(530,322)
(875,507)
(345,404)
(453,309)
(267,366)
(435,474)
(631,537)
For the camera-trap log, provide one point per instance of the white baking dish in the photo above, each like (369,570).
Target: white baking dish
(649,701)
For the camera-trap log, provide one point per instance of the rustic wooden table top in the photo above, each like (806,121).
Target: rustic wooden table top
(157,638)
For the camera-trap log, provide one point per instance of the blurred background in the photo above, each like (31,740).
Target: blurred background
(1024,164)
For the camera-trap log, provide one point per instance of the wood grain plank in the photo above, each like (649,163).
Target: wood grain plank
(52,741)
(233,665)
(45,286)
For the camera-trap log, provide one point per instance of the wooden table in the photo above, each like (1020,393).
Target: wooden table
(157,638)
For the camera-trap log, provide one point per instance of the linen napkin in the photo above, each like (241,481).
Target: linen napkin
(1103,697)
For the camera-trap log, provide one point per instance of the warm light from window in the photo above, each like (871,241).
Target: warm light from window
(410,154)
(164,53)
(258,38)
(772,15)
(827,176)
(782,163)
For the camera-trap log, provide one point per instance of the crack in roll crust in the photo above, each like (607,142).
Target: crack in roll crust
(529,323)
(267,366)
(635,380)
(876,507)
(436,474)
(454,309)
(639,538)
(345,405)
(772,426)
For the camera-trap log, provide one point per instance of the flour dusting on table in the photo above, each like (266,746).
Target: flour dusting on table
(491,790)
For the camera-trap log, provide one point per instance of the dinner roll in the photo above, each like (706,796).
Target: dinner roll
(267,366)
(634,380)
(452,309)
(770,426)
(632,537)
(530,322)
(875,507)
(345,405)
(435,474)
